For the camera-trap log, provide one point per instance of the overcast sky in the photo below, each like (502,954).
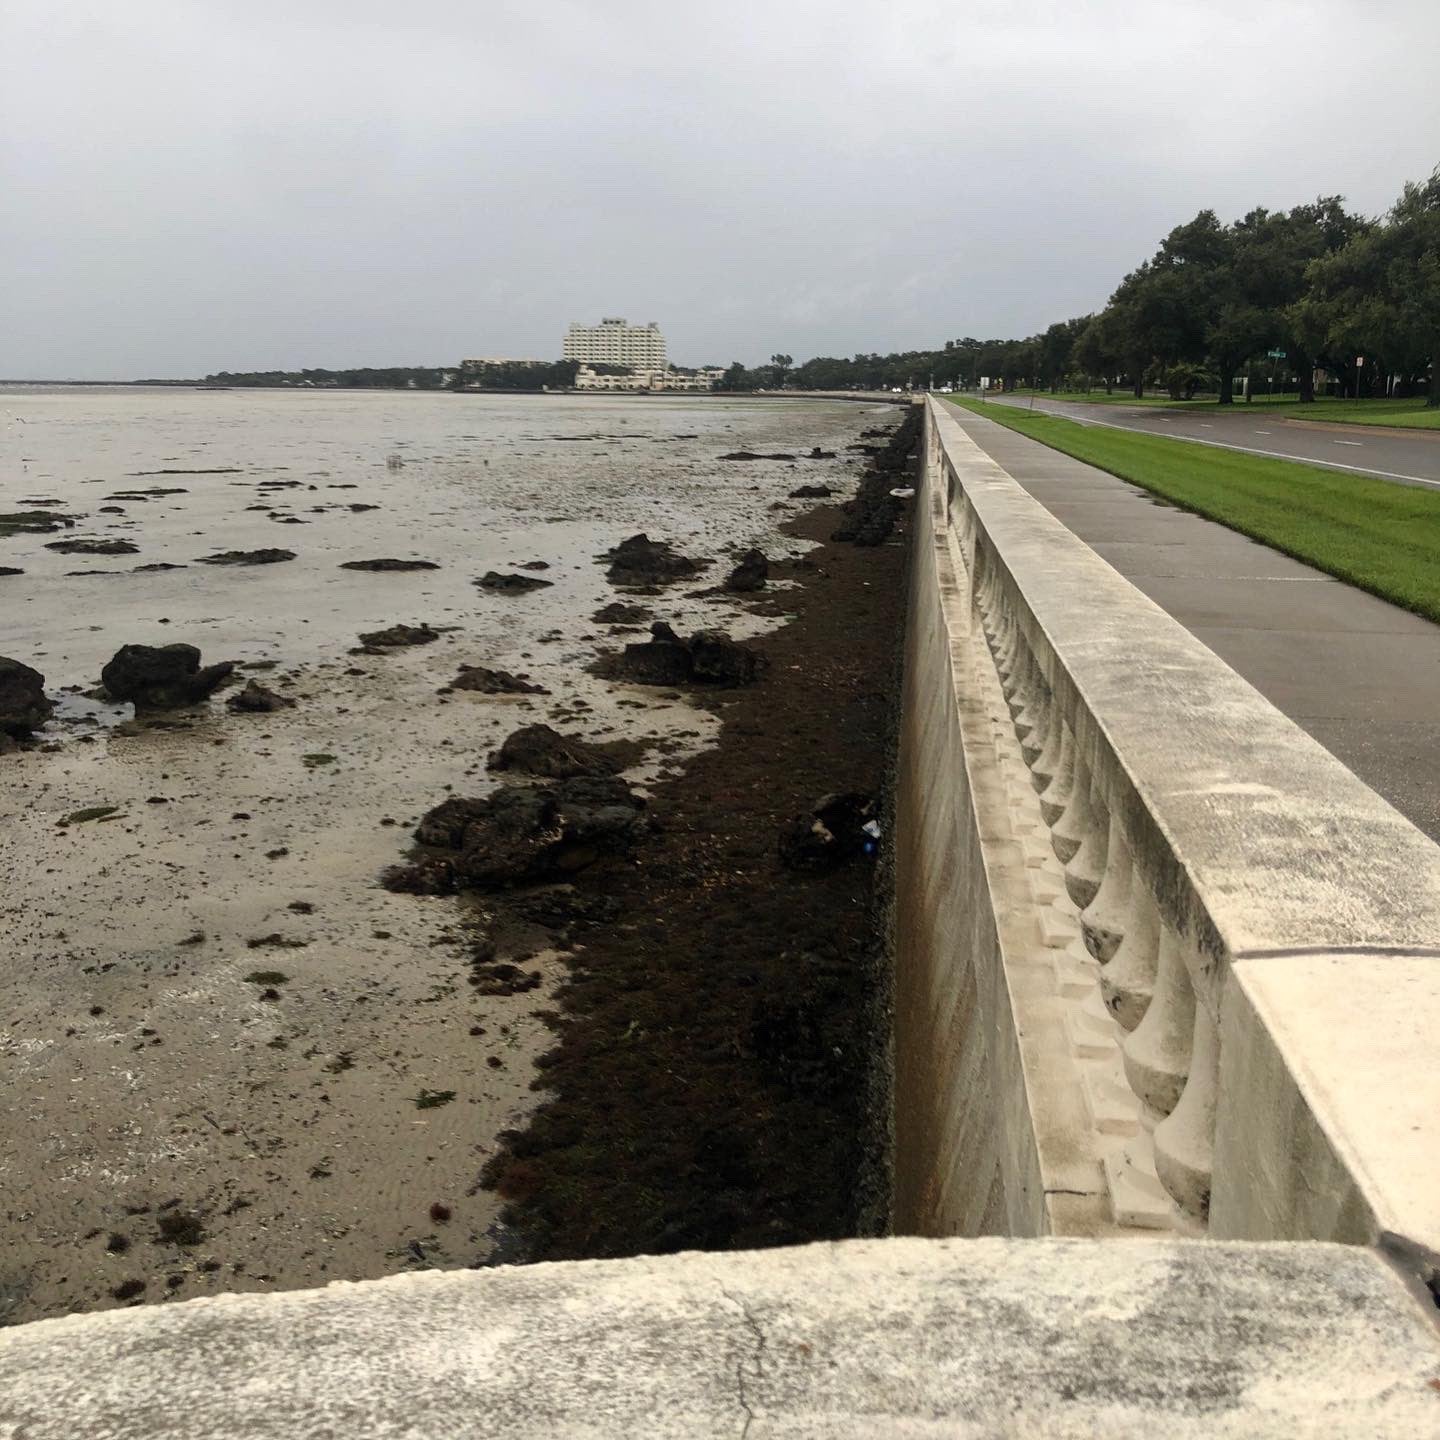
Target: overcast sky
(195,185)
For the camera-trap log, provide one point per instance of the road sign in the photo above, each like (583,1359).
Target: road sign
(1359,362)
(1275,354)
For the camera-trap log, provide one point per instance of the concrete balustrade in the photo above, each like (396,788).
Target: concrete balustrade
(1186,850)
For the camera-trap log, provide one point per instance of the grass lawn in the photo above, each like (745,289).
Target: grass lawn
(1408,414)
(1375,534)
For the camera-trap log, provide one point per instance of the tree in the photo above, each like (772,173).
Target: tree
(736,377)
(781,364)
(1098,347)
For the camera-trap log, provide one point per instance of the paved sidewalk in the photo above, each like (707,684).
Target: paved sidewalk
(1361,675)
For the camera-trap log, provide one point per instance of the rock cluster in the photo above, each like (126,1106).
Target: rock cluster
(161,677)
(258,699)
(93,547)
(539,750)
(522,834)
(641,561)
(708,657)
(247,557)
(511,584)
(388,564)
(494,682)
(24,706)
(750,574)
(398,635)
(871,515)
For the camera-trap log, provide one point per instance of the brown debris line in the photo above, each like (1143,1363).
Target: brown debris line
(708,1087)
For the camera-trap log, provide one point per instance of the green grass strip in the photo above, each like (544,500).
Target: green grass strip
(1377,535)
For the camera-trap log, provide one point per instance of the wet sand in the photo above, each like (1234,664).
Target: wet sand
(180,1117)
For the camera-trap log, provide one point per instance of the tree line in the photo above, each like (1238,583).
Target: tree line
(491,375)
(1313,288)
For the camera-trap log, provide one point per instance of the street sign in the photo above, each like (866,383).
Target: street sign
(1275,354)
(1359,362)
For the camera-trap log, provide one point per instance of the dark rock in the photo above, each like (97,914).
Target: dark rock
(511,584)
(617,612)
(750,574)
(398,635)
(536,565)
(389,565)
(258,699)
(708,657)
(752,455)
(10,570)
(23,703)
(817,453)
(830,834)
(357,507)
(33,522)
(539,750)
(94,547)
(161,677)
(643,561)
(112,509)
(248,557)
(524,833)
(811,492)
(494,682)
(156,566)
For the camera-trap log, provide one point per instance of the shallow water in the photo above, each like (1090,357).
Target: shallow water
(144,1070)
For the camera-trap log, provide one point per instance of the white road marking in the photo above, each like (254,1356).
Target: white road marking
(1205,426)
(1271,454)
(1264,432)
(1349,442)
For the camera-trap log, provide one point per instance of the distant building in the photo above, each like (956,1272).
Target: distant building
(615,342)
(632,379)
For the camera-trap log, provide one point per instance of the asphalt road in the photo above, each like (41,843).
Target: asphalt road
(1410,459)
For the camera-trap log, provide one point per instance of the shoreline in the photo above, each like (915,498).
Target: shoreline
(213,1010)
(717,1081)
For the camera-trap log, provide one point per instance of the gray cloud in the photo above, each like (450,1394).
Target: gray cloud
(191,185)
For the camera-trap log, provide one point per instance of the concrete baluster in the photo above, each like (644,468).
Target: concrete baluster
(1008,647)
(1069,829)
(987,592)
(1127,979)
(1104,921)
(1025,690)
(999,636)
(1055,796)
(1185,1139)
(1030,721)
(1085,869)
(1157,1050)
(1047,743)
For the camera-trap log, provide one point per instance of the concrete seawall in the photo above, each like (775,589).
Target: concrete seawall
(1140,910)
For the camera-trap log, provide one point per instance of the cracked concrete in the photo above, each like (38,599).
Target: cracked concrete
(1054,1338)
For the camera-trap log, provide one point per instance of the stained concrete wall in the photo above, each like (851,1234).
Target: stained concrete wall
(966,1156)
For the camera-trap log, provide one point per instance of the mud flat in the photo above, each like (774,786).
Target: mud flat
(234,1059)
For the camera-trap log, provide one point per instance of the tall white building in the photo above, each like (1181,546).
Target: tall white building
(614,342)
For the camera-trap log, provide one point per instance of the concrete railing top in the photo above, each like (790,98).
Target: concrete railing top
(1286,848)
(869,1338)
